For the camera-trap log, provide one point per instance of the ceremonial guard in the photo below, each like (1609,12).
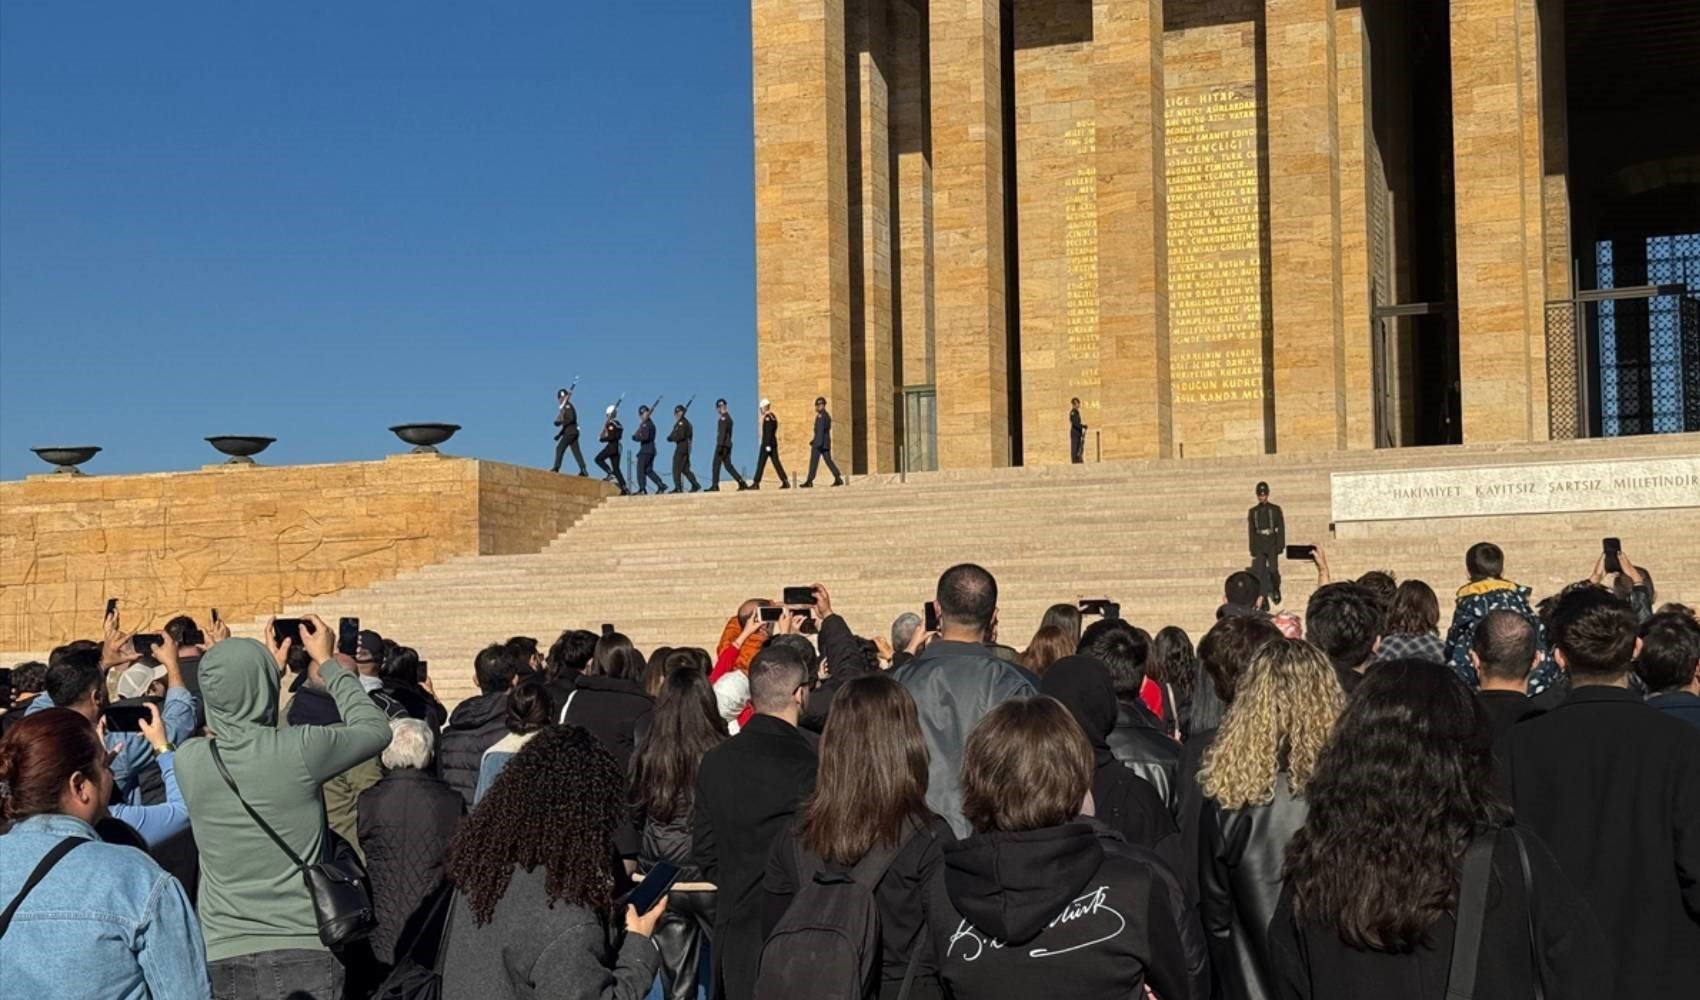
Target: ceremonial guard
(566,435)
(820,446)
(645,438)
(680,435)
(608,459)
(770,448)
(1268,532)
(723,449)
(1076,434)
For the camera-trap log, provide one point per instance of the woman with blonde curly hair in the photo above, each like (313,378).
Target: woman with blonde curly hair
(1253,778)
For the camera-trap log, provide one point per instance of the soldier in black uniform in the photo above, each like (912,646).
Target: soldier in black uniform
(770,448)
(1268,536)
(608,459)
(723,449)
(566,418)
(680,435)
(820,446)
(645,437)
(1076,434)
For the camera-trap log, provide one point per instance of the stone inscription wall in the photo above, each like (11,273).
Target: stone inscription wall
(1570,487)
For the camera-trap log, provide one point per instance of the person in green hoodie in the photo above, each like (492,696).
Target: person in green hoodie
(261,935)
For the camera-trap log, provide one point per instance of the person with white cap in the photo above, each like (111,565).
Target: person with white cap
(608,459)
(770,448)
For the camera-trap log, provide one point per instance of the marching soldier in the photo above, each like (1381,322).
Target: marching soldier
(566,418)
(723,449)
(1268,531)
(680,435)
(1076,434)
(820,446)
(645,437)
(770,448)
(608,459)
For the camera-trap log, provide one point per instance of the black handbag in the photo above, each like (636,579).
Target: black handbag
(342,900)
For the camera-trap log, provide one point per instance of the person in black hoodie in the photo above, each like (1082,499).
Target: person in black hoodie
(479,721)
(568,658)
(400,675)
(1139,739)
(608,699)
(1036,900)
(870,795)
(1121,800)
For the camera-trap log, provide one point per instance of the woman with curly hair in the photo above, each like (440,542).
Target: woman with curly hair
(1253,778)
(1175,666)
(533,869)
(1404,786)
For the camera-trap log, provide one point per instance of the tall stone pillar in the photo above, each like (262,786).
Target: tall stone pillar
(1304,225)
(968,234)
(1491,150)
(911,134)
(1133,263)
(802,221)
(1351,71)
(868,34)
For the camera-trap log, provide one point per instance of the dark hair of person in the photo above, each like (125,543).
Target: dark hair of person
(570,651)
(685,725)
(298,660)
(39,755)
(805,650)
(1669,607)
(1173,661)
(655,671)
(70,680)
(1065,617)
(616,657)
(775,675)
(1226,650)
(1670,649)
(1484,561)
(522,648)
(184,631)
(1049,645)
(691,657)
(494,668)
(1242,588)
(1382,584)
(29,676)
(1595,632)
(555,806)
(1414,610)
(76,651)
(873,772)
(1344,620)
(1505,644)
(967,596)
(529,706)
(1122,649)
(1027,766)
(400,665)
(1405,783)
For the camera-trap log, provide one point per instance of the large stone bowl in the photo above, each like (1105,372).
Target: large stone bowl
(240,447)
(424,437)
(67,457)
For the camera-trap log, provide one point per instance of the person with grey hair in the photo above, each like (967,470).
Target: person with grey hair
(405,823)
(906,631)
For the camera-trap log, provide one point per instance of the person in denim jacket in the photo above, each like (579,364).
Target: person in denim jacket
(105,922)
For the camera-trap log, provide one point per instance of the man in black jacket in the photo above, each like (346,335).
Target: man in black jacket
(1503,651)
(747,791)
(608,459)
(566,418)
(723,450)
(645,438)
(1612,786)
(770,448)
(681,435)
(1344,620)
(1138,739)
(820,446)
(478,722)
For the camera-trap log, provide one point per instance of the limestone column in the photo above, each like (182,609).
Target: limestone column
(968,234)
(869,44)
(1304,225)
(1534,212)
(1490,153)
(1135,415)
(1564,366)
(912,273)
(1353,100)
(802,222)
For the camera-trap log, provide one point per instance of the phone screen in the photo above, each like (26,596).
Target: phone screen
(653,886)
(215,616)
(931,618)
(126,716)
(607,629)
(348,636)
(770,612)
(144,642)
(111,606)
(1301,552)
(288,628)
(800,595)
(1612,547)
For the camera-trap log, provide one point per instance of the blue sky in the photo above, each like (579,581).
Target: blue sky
(314,220)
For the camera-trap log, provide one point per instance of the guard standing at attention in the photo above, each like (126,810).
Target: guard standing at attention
(645,437)
(1268,532)
(566,418)
(723,449)
(1076,433)
(820,446)
(770,448)
(680,435)
(608,459)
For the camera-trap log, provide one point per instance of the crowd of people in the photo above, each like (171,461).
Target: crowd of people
(1334,804)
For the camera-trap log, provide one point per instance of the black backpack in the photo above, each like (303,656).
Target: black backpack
(827,945)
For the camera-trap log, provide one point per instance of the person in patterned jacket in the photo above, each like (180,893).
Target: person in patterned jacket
(1488,590)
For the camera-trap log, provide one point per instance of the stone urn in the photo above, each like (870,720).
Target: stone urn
(424,437)
(240,447)
(67,457)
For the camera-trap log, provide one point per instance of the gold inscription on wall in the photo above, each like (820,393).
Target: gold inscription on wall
(1214,239)
(1080,252)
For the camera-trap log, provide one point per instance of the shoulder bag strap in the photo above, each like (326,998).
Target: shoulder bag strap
(1529,908)
(51,858)
(1472,908)
(224,773)
(567,704)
